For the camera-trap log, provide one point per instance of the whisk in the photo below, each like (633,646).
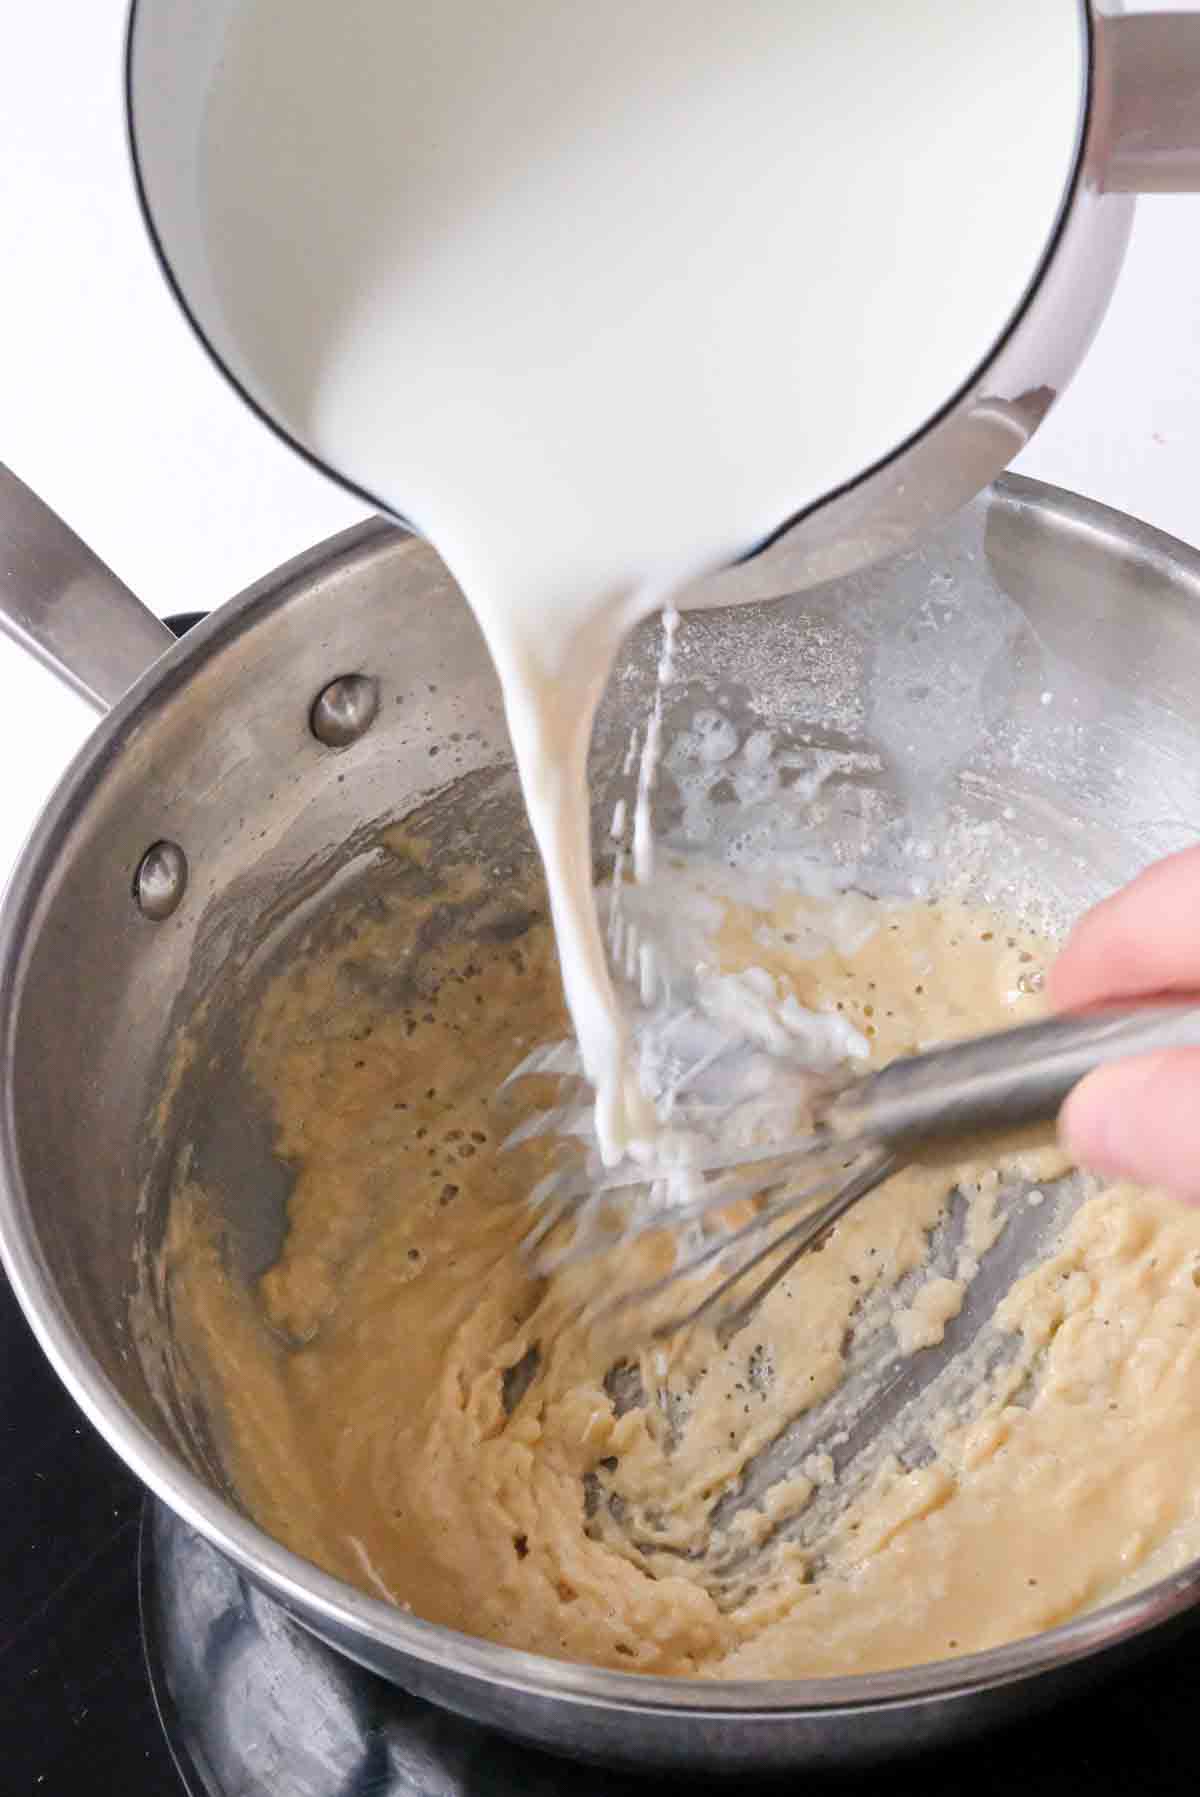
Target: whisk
(860,1131)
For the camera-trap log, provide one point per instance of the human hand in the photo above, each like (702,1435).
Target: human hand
(1137,1119)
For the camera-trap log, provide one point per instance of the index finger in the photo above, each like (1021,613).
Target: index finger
(1142,941)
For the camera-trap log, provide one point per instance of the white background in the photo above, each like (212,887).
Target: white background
(111,412)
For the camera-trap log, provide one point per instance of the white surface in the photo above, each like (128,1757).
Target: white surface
(112,413)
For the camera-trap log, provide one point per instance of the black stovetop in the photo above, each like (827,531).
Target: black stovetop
(77,1713)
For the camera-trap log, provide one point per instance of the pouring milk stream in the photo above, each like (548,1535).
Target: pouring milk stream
(598,297)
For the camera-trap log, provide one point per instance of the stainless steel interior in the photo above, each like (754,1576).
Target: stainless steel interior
(1016,706)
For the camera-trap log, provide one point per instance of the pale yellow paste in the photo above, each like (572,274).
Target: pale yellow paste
(405,1405)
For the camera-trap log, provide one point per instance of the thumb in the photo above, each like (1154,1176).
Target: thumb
(1140,1119)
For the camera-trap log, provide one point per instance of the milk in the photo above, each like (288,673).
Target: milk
(598,296)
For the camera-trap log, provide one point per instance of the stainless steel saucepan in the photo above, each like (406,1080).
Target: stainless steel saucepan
(1136,119)
(1020,698)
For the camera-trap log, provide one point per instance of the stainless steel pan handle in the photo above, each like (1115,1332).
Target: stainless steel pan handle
(63,605)
(1155,140)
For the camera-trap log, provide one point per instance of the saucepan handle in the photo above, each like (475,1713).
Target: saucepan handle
(60,602)
(1154,59)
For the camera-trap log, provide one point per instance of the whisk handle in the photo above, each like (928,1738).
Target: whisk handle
(1002,1081)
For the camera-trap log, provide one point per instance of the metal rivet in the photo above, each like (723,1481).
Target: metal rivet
(345,710)
(161,880)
